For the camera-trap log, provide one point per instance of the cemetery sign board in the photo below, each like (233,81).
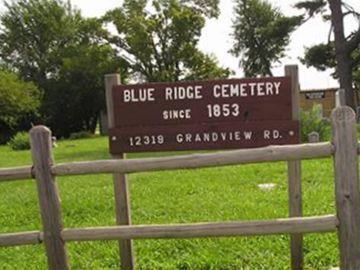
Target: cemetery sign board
(216,114)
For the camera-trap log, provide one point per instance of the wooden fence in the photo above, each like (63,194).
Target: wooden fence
(344,149)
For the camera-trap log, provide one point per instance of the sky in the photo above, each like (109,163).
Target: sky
(216,38)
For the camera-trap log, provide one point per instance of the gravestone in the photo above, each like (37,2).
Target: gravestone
(54,142)
(313,137)
(267,186)
(103,121)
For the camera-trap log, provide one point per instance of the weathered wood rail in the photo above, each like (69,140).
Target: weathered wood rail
(327,223)
(193,161)
(344,149)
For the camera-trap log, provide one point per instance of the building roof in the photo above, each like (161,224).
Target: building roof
(318,90)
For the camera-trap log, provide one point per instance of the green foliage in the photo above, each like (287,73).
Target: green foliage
(20,141)
(312,7)
(312,120)
(204,67)
(33,35)
(75,98)
(18,99)
(161,45)
(81,135)
(209,8)
(356,71)
(261,33)
(358,130)
(65,55)
(356,77)
(320,56)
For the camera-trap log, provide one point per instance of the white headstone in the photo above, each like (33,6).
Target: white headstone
(267,186)
(313,137)
(53,142)
(337,99)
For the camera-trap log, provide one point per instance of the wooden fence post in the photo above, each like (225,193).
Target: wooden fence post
(294,175)
(347,186)
(122,198)
(41,149)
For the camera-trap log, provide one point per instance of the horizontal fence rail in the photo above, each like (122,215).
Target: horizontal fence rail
(21,238)
(316,224)
(195,161)
(19,173)
(243,228)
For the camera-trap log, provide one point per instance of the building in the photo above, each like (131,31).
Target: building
(326,98)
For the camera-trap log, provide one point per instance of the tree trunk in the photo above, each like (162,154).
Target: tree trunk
(343,66)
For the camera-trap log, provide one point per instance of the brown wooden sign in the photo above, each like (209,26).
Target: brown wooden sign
(216,114)
(231,100)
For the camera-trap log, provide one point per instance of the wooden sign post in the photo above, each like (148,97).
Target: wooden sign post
(122,200)
(294,175)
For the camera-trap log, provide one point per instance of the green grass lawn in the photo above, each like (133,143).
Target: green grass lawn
(226,193)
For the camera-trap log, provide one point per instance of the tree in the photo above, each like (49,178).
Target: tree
(65,55)
(341,53)
(75,93)
(261,33)
(161,45)
(33,35)
(76,96)
(18,99)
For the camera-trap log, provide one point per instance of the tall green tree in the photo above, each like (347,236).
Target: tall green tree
(33,35)
(18,100)
(65,55)
(159,38)
(339,51)
(261,33)
(76,96)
